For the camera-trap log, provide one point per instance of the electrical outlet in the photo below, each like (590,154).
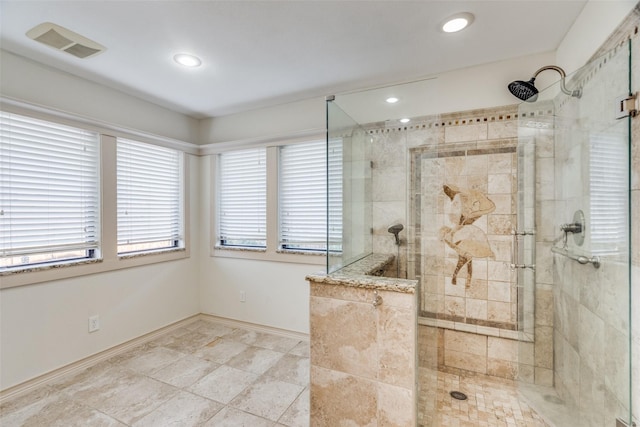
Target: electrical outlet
(94,323)
(243,296)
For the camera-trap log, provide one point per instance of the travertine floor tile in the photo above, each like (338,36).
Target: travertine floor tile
(52,410)
(223,384)
(267,398)
(255,359)
(185,371)
(220,350)
(260,339)
(151,360)
(292,369)
(301,349)
(230,417)
(185,410)
(297,415)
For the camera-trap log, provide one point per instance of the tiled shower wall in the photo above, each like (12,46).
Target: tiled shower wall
(429,173)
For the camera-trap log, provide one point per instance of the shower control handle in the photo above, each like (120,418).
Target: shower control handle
(574,227)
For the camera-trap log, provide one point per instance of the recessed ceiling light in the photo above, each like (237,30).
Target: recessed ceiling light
(457,22)
(187,60)
(405,120)
(392,100)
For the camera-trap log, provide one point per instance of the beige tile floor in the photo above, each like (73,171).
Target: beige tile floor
(203,374)
(491,402)
(206,374)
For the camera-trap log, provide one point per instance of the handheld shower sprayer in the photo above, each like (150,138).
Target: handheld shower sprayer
(526,91)
(395,229)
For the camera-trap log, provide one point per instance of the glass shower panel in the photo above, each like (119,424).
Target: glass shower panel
(349,190)
(574,350)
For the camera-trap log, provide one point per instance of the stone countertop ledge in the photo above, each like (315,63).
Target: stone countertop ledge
(365,273)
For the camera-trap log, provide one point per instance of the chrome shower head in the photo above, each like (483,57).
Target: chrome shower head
(395,229)
(526,91)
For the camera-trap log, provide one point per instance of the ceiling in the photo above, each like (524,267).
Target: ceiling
(263,53)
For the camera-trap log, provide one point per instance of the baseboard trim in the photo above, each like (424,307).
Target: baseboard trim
(255,327)
(75,367)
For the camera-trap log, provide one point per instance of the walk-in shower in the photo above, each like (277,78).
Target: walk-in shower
(520,299)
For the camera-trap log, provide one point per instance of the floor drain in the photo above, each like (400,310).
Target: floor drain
(458,395)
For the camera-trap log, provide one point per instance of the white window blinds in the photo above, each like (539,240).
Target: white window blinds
(150,203)
(49,192)
(303,196)
(242,198)
(609,186)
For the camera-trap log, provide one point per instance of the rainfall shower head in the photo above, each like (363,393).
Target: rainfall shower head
(395,230)
(526,91)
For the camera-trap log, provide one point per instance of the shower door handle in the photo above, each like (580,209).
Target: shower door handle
(515,249)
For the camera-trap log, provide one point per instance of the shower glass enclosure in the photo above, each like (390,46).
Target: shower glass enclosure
(349,190)
(516,226)
(574,191)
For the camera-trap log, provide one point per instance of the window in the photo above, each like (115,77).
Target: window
(242,198)
(49,192)
(150,203)
(275,199)
(608,188)
(303,196)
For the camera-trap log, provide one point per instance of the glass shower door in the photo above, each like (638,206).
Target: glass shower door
(575,353)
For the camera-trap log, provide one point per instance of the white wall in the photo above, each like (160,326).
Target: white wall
(45,326)
(29,81)
(590,30)
(482,86)
(277,293)
(285,119)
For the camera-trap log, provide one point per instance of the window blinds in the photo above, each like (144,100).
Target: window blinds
(49,191)
(242,192)
(303,196)
(149,197)
(609,185)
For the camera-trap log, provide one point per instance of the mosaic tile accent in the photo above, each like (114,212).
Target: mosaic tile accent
(490,402)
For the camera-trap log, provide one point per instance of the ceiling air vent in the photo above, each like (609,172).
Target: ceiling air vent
(60,38)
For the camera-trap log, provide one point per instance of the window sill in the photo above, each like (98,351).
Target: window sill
(133,255)
(48,266)
(46,273)
(263,254)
